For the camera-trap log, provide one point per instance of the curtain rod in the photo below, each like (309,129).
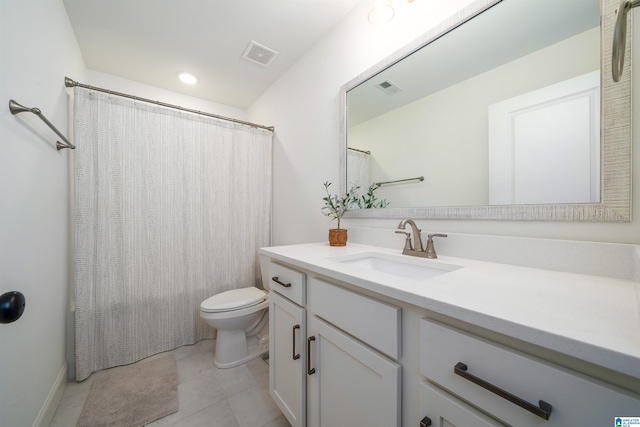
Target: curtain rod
(358,150)
(71,83)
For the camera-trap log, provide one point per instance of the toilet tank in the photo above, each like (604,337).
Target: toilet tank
(264,272)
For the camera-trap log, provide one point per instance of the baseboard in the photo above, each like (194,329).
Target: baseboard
(53,398)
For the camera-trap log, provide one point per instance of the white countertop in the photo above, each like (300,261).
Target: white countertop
(592,318)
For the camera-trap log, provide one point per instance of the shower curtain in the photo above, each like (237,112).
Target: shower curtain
(358,169)
(170,209)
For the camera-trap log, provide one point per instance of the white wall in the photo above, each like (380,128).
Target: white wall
(38,49)
(304,108)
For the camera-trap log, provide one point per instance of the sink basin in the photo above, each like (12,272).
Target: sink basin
(406,266)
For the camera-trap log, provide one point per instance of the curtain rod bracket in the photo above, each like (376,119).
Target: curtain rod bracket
(16,108)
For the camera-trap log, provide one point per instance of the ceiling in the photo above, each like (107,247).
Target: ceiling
(151,41)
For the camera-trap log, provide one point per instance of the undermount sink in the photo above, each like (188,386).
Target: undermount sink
(406,266)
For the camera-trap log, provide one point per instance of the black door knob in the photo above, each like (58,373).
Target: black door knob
(11,306)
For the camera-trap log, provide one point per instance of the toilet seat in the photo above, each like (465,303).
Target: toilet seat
(234,299)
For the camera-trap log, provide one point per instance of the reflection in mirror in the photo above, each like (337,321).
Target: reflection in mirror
(501,109)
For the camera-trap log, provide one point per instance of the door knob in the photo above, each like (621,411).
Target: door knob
(11,306)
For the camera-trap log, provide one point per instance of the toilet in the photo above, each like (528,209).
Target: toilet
(240,317)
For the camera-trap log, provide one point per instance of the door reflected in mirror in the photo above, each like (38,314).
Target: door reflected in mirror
(502,110)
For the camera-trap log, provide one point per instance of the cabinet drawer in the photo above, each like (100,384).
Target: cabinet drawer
(442,409)
(374,322)
(575,399)
(288,282)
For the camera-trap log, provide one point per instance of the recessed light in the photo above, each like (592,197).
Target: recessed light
(188,78)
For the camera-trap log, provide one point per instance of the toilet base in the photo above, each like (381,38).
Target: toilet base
(238,348)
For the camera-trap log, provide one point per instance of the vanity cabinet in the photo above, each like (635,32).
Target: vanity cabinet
(512,387)
(339,350)
(332,357)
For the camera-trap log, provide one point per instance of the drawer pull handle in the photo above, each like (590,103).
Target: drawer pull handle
(425,422)
(310,371)
(544,411)
(295,356)
(286,285)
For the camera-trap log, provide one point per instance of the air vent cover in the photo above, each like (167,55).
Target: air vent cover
(259,54)
(389,87)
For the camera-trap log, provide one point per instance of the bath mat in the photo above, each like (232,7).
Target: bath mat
(133,395)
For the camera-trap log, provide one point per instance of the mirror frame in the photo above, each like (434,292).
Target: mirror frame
(615,138)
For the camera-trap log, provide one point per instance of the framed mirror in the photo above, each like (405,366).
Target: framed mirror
(508,111)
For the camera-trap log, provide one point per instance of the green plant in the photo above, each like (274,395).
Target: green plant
(335,206)
(369,201)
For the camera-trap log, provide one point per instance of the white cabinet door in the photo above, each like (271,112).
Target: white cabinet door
(440,409)
(348,383)
(287,355)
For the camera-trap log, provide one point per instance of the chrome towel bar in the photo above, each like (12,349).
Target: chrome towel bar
(16,108)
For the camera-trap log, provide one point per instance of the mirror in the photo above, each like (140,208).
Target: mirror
(503,115)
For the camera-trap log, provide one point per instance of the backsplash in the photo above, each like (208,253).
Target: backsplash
(618,261)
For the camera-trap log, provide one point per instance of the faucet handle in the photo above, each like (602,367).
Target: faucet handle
(431,251)
(431,236)
(407,243)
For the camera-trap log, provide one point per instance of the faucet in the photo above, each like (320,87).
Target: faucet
(429,252)
(416,234)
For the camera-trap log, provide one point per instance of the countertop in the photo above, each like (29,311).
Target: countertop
(592,318)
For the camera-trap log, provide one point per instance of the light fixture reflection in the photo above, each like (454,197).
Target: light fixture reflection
(381,13)
(188,78)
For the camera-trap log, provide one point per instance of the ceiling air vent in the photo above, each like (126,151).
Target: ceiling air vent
(389,87)
(259,54)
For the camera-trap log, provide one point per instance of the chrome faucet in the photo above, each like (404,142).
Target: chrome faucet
(408,249)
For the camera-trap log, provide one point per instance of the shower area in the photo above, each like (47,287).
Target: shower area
(170,207)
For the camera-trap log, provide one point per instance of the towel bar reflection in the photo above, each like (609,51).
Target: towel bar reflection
(380,184)
(16,108)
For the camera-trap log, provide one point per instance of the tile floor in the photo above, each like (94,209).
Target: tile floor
(211,397)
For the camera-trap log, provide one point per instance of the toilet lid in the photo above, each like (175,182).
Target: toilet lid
(233,299)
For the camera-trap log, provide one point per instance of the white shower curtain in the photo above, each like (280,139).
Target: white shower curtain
(358,169)
(170,209)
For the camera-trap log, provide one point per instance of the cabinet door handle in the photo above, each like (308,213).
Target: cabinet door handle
(295,356)
(544,411)
(425,422)
(286,285)
(310,371)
